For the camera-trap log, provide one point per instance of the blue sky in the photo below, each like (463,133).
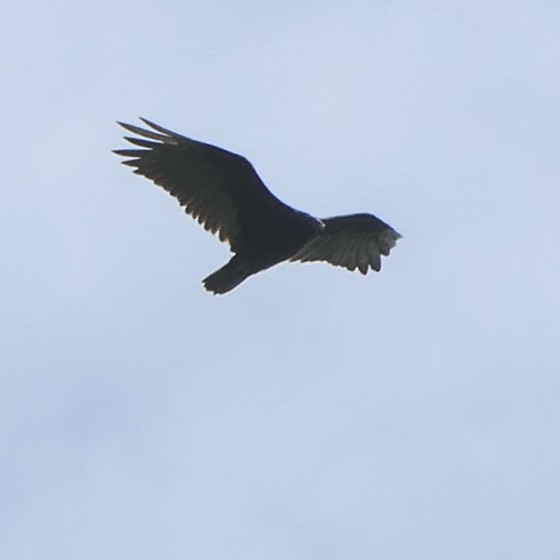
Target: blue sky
(310,413)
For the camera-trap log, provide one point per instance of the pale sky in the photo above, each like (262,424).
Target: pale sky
(311,413)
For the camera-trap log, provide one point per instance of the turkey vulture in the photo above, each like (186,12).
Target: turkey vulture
(223,192)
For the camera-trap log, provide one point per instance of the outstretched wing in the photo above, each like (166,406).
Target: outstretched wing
(355,241)
(220,189)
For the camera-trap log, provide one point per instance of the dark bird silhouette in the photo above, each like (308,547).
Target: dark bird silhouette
(223,192)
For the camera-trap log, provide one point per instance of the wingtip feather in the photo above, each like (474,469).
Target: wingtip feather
(159,128)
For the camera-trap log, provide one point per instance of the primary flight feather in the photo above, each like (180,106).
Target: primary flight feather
(223,192)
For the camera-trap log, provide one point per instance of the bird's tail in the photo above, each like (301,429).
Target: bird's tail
(227,277)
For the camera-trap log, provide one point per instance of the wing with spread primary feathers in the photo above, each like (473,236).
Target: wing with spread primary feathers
(220,189)
(354,241)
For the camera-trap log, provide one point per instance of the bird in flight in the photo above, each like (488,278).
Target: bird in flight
(222,191)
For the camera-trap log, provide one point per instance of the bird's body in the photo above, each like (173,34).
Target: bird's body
(224,193)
